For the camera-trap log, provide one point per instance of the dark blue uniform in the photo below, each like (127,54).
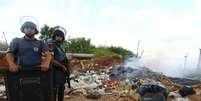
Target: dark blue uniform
(58,73)
(28,53)
(28,85)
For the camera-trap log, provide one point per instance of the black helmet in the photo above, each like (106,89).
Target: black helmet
(30,25)
(59,31)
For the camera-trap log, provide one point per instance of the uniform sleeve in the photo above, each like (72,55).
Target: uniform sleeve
(13,46)
(44,48)
(51,46)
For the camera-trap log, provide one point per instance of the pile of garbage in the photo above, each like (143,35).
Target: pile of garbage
(130,84)
(137,84)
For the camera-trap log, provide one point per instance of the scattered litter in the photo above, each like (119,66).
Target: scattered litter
(186,90)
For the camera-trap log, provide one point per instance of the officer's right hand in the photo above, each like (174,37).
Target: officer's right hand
(13,67)
(44,67)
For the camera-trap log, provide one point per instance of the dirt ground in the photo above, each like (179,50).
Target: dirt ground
(116,98)
(195,97)
(102,98)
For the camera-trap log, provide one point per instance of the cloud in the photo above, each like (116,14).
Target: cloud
(198,6)
(110,23)
(10,16)
(168,25)
(113,10)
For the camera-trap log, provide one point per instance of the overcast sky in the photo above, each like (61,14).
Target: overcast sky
(168,29)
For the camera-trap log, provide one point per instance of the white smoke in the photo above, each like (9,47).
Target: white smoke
(169,65)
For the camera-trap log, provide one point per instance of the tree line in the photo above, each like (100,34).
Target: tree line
(81,45)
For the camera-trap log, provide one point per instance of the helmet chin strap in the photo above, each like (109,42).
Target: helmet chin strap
(30,36)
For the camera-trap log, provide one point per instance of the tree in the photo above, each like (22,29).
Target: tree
(121,51)
(105,52)
(46,33)
(3,46)
(82,45)
(79,45)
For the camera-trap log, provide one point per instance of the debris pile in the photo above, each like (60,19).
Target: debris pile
(117,82)
(133,84)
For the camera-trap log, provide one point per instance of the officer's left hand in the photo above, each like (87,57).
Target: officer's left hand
(13,68)
(64,68)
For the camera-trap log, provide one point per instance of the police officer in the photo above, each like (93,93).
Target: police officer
(28,50)
(59,62)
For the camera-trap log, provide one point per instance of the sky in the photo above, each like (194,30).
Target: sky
(167,29)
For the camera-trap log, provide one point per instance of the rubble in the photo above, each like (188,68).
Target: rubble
(174,95)
(152,92)
(184,81)
(186,90)
(93,95)
(117,82)
(182,99)
(2,90)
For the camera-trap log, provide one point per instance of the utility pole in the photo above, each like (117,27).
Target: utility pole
(199,61)
(105,45)
(185,61)
(141,53)
(138,44)
(5,39)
